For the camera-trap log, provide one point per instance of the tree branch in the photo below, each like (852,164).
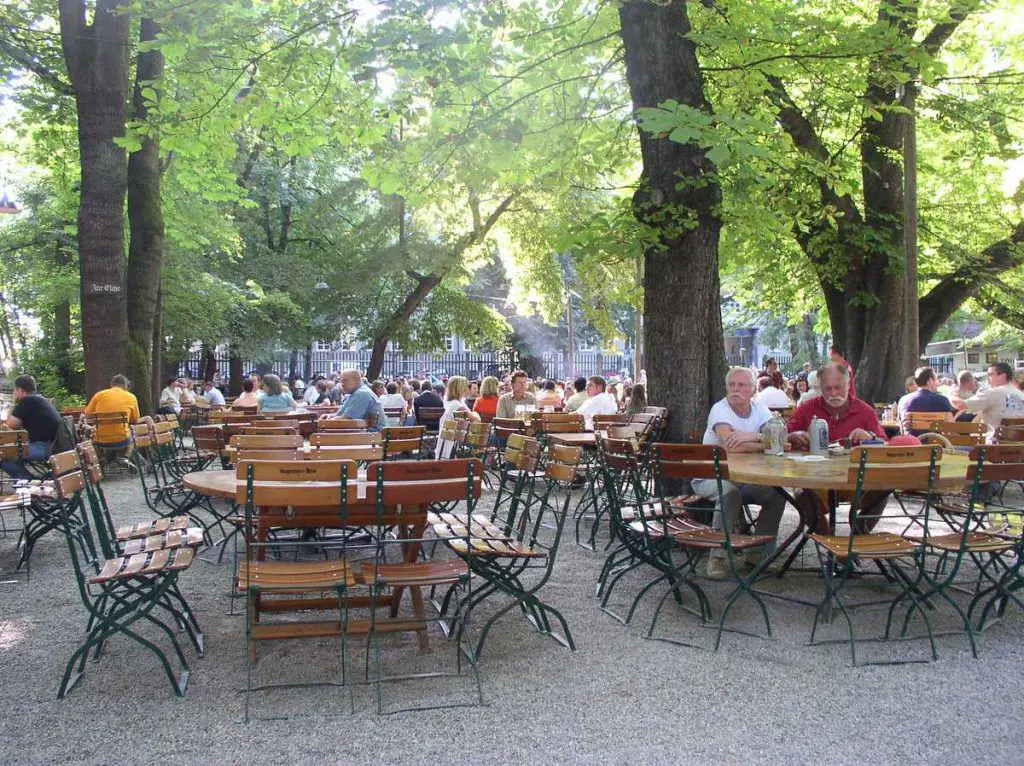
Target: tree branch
(942,31)
(27,61)
(802,132)
(967,281)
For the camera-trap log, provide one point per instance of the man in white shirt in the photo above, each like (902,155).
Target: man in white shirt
(600,402)
(212,394)
(770,396)
(734,423)
(1000,400)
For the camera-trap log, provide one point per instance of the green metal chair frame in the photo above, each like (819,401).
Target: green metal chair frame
(119,592)
(505,551)
(996,551)
(878,468)
(403,490)
(699,461)
(260,579)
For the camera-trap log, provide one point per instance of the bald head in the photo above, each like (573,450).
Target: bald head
(350,380)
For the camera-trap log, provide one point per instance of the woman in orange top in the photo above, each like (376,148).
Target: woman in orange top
(486,405)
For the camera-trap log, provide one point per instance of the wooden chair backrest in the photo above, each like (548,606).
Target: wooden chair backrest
(661,412)
(67,472)
(419,482)
(893,467)
(229,430)
(563,463)
(504,428)
(962,434)
(479,435)
(290,417)
(923,421)
(344,438)
(402,439)
(234,415)
(1012,422)
(603,422)
(523,452)
(689,461)
(107,418)
(394,412)
(245,409)
(428,416)
(243,442)
(207,438)
(298,484)
(341,424)
(142,435)
(454,430)
(648,423)
(269,430)
(1002,462)
(13,444)
(1009,434)
(361,452)
(619,454)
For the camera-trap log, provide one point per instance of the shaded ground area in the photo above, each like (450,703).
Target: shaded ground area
(619,698)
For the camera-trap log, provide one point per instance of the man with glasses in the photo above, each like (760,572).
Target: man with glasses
(1000,400)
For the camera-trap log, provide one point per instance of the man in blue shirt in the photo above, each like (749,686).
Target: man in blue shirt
(360,401)
(925,399)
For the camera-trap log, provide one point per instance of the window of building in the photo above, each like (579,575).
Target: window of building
(322,345)
(449,343)
(973,358)
(991,357)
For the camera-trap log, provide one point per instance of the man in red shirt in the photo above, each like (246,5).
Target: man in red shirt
(847,417)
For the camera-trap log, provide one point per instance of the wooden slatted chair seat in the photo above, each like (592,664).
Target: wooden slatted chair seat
(156,527)
(877,545)
(652,509)
(419,574)
(495,547)
(143,565)
(191,537)
(994,541)
(294,576)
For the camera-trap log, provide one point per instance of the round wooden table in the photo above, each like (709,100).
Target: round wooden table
(829,477)
(830,474)
(224,484)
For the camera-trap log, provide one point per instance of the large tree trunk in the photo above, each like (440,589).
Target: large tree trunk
(96,55)
(146,224)
(235,374)
(158,346)
(682,315)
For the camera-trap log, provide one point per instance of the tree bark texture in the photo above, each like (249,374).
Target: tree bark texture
(146,227)
(96,55)
(867,305)
(157,371)
(684,349)
(235,374)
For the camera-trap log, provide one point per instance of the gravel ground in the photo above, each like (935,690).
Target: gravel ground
(618,698)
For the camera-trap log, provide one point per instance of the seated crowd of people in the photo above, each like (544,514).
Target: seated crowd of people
(394,402)
(735,423)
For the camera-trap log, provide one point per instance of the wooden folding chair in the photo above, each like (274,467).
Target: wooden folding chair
(311,493)
(340,424)
(403,442)
(403,490)
(962,434)
(919,422)
(121,593)
(878,468)
(515,554)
